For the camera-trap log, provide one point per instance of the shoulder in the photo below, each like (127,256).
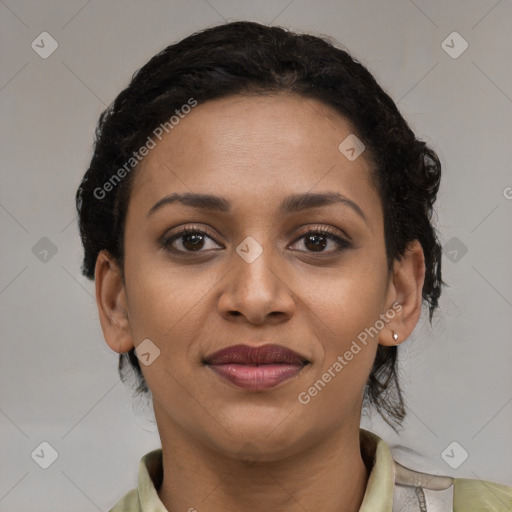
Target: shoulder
(145,496)
(393,486)
(424,493)
(128,503)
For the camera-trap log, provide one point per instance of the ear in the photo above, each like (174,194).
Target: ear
(111,301)
(404,296)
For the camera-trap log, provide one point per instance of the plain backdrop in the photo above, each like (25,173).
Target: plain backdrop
(58,380)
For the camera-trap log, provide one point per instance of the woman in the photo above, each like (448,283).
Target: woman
(257,218)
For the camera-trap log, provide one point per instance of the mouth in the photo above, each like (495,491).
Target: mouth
(256,368)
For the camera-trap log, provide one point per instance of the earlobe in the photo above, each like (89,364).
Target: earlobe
(111,302)
(407,286)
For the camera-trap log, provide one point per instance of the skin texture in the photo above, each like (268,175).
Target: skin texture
(255,151)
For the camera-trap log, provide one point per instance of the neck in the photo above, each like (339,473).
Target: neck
(329,475)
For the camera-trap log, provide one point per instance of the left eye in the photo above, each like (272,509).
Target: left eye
(318,239)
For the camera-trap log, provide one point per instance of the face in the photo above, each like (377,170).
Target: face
(258,266)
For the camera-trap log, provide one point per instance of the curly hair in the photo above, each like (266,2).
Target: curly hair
(245,57)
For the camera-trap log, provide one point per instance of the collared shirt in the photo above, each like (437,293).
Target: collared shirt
(390,488)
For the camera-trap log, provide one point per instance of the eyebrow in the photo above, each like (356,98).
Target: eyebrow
(291,204)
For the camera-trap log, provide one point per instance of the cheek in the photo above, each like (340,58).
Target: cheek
(170,307)
(344,315)
(347,309)
(349,299)
(162,297)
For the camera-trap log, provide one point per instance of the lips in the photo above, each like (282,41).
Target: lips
(265,354)
(256,368)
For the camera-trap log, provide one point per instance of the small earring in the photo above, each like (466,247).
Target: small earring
(395,336)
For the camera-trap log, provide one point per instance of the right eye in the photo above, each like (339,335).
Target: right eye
(187,240)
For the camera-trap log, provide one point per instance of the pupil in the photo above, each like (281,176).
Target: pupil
(317,245)
(198,239)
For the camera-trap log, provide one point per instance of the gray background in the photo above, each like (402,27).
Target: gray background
(59,379)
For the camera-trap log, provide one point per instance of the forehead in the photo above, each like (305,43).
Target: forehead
(255,149)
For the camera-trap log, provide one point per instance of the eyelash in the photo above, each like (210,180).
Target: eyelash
(323,231)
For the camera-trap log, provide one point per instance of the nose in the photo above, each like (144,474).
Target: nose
(257,292)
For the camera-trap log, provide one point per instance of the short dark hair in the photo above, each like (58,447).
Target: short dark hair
(250,58)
